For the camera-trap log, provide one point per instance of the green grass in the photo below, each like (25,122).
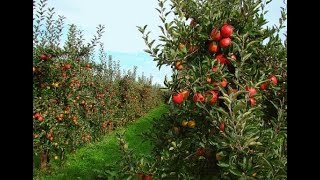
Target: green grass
(106,152)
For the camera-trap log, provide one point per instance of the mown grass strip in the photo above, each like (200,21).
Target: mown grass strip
(81,164)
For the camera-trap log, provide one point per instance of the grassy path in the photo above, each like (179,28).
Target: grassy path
(81,164)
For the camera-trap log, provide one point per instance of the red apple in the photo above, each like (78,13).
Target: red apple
(214,97)
(215,35)
(225,42)
(252,91)
(226,30)
(273,79)
(43,57)
(213,47)
(263,86)
(252,101)
(221,58)
(198,97)
(177,98)
(67,66)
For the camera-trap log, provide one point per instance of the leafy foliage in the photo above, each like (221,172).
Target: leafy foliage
(243,133)
(75,99)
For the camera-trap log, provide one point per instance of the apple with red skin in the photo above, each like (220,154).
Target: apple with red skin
(225,42)
(193,48)
(181,46)
(64,75)
(200,151)
(233,56)
(43,57)
(185,94)
(253,101)
(263,86)
(214,97)
(214,68)
(221,58)
(37,115)
(252,91)
(67,66)
(178,65)
(215,34)
(221,127)
(177,98)
(226,30)
(213,47)
(224,82)
(273,79)
(198,97)
(148,177)
(209,80)
(40,119)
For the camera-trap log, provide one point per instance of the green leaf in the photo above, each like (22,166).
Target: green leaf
(235,95)
(251,43)
(224,165)
(226,99)
(221,110)
(240,105)
(147,51)
(158,10)
(151,43)
(247,56)
(235,172)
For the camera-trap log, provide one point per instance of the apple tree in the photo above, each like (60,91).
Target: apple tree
(229,83)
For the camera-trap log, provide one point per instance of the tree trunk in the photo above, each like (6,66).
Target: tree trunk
(44,160)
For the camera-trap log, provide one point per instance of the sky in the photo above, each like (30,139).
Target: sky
(121,39)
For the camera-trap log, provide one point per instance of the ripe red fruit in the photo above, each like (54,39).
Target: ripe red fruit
(193,48)
(181,46)
(273,79)
(43,57)
(198,97)
(252,91)
(224,82)
(209,80)
(37,115)
(225,42)
(215,35)
(221,58)
(177,98)
(148,177)
(221,127)
(185,94)
(40,119)
(214,97)
(263,86)
(64,75)
(178,65)
(214,68)
(253,101)
(200,151)
(234,57)
(67,66)
(213,47)
(226,30)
